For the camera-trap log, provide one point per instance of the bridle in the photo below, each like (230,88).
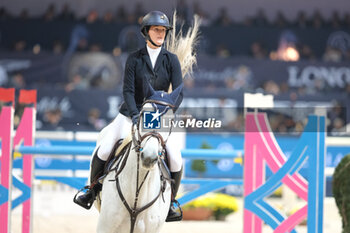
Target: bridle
(137,141)
(134,211)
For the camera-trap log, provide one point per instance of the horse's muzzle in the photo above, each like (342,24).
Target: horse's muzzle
(148,162)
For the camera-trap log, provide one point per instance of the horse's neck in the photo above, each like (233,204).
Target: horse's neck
(129,176)
(133,164)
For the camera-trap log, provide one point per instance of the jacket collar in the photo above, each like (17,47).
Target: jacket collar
(146,57)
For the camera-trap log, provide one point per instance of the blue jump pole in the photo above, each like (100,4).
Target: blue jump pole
(56,150)
(86,150)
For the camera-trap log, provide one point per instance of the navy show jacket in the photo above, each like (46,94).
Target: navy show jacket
(138,71)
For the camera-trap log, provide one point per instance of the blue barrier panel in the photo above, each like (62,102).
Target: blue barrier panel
(205,185)
(56,164)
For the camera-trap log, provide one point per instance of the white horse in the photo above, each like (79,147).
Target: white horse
(136,192)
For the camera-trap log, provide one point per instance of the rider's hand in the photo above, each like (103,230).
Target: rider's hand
(135,119)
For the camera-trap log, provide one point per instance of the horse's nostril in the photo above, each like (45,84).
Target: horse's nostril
(149,162)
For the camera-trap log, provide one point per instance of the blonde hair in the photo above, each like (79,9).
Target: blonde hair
(183,46)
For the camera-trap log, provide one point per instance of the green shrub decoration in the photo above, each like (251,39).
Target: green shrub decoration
(199,165)
(341,191)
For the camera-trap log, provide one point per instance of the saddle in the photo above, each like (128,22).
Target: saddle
(120,147)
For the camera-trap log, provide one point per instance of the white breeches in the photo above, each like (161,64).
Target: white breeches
(120,128)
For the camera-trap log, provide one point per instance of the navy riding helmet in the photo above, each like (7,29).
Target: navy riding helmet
(154,18)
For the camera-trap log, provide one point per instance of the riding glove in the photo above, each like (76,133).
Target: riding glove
(135,119)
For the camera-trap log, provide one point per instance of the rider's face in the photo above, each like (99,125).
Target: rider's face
(157,34)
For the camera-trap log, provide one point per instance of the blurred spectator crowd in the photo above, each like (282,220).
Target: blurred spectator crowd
(289,47)
(185,13)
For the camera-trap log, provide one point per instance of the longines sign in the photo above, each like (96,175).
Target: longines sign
(318,76)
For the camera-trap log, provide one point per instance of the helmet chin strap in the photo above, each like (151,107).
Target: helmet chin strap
(150,40)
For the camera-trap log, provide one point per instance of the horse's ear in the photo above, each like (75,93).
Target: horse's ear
(150,90)
(176,93)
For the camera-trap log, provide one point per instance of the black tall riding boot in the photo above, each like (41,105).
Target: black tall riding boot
(174,215)
(87,199)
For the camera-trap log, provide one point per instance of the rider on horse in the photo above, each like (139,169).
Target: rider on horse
(160,68)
